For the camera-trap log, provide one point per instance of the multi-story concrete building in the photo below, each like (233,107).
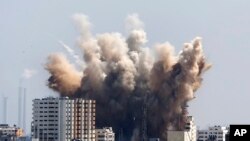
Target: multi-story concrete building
(105,134)
(45,123)
(215,133)
(57,119)
(188,134)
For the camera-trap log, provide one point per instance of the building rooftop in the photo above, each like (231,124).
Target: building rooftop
(4,125)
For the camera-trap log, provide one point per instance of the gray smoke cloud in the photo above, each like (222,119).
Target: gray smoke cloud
(131,86)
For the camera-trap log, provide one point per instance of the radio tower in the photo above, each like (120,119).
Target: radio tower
(5,110)
(19,117)
(24,109)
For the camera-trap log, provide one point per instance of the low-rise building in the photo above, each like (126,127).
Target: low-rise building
(9,133)
(215,133)
(105,134)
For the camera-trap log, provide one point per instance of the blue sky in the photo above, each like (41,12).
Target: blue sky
(30,31)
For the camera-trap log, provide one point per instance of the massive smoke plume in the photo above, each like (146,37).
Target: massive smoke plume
(135,91)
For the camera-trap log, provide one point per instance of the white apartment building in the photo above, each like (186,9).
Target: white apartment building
(63,119)
(105,134)
(215,133)
(189,134)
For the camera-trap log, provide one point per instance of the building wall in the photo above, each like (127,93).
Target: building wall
(62,119)
(176,136)
(191,129)
(179,136)
(7,138)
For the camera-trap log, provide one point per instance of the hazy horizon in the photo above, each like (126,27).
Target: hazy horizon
(31,30)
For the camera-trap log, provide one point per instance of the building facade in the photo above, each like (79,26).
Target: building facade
(105,134)
(57,119)
(215,133)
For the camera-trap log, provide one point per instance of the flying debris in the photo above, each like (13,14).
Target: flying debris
(72,53)
(123,76)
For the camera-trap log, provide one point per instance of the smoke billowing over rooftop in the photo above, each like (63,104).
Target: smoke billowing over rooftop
(124,77)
